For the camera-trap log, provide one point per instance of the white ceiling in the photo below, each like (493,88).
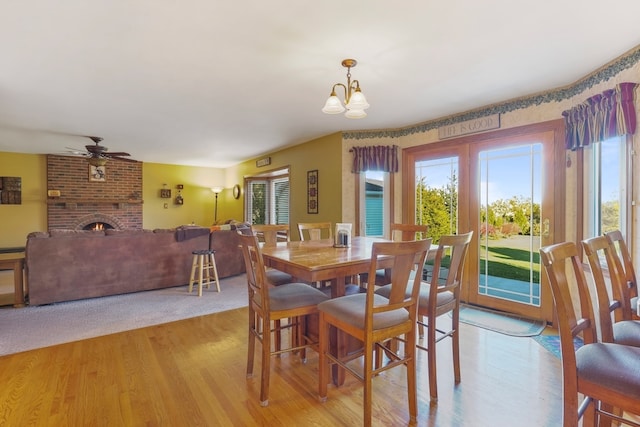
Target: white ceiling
(211,83)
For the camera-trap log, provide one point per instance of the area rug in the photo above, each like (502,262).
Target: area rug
(551,343)
(503,323)
(42,326)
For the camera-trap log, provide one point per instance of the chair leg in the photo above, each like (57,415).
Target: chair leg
(368,388)
(200,273)
(323,348)
(212,265)
(420,327)
(455,345)
(410,357)
(266,363)
(251,345)
(278,335)
(192,277)
(431,360)
(299,332)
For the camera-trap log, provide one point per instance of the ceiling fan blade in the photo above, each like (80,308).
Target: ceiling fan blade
(115,153)
(124,159)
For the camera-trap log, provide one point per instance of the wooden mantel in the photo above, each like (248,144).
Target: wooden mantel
(72,203)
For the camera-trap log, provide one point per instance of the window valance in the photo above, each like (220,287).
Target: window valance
(602,116)
(375,158)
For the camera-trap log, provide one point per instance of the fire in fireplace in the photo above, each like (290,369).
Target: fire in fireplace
(97,226)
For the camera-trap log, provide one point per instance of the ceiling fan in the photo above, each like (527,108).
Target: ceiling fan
(97,155)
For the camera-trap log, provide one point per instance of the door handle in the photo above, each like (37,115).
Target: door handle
(545,228)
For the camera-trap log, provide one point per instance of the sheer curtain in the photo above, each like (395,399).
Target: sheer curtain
(602,116)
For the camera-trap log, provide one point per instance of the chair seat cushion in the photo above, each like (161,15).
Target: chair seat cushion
(294,295)
(423,301)
(277,277)
(627,332)
(614,366)
(351,309)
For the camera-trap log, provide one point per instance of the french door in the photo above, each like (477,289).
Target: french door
(502,186)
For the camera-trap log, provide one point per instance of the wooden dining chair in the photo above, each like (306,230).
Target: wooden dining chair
(399,233)
(270,235)
(373,319)
(438,298)
(315,230)
(610,302)
(606,375)
(269,304)
(630,288)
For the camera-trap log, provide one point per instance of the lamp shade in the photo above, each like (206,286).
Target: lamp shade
(355,114)
(217,189)
(333,105)
(357,102)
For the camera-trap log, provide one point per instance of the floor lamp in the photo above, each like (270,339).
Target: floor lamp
(216,191)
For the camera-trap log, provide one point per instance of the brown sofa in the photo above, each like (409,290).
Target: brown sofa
(66,265)
(225,242)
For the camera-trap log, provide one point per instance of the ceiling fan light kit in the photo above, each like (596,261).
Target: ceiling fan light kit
(354,100)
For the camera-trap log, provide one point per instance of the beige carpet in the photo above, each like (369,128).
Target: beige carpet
(27,328)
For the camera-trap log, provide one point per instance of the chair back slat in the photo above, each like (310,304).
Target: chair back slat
(256,273)
(598,250)
(270,234)
(458,247)
(404,255)
(629,288)
(557,260)
(315,230)
(408,232)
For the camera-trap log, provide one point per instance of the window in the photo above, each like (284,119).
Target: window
(607,178)
(267,198)
(374,203)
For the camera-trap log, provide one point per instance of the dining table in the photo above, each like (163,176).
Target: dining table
(314,261)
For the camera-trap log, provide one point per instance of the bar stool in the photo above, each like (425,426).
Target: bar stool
(203,262)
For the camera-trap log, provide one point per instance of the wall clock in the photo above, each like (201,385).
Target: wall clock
(236,191)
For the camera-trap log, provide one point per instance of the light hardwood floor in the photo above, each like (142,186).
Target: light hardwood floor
(192,373)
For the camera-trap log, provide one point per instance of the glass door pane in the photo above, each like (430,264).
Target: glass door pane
(510,195)
(437,196)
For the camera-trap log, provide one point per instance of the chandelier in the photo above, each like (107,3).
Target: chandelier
(354,100)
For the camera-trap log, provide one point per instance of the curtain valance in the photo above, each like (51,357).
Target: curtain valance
(602,116)
(375,158)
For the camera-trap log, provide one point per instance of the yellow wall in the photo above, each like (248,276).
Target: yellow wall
(16,221)
(323,154)
(199,201)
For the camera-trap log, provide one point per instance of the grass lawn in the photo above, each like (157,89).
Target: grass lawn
(511,257)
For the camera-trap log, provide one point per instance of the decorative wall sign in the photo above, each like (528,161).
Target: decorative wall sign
(479,124)
(266,161)
(312,192)
(97,173)
(165,193)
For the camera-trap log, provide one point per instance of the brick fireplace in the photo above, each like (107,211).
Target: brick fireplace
(115,202)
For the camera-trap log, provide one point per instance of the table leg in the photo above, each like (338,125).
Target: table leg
(337,341)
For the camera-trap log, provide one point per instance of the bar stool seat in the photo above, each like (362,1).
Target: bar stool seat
(203,263)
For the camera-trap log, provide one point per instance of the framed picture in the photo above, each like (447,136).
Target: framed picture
(97,173)
(312,192)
